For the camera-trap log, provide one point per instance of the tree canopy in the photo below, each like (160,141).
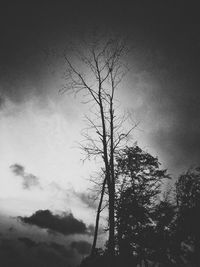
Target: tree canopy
(139,179)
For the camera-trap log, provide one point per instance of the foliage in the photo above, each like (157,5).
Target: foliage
(154,228)
(165,248)
(139,185)
(188,219)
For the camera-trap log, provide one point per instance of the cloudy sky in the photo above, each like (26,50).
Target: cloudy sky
(42,177)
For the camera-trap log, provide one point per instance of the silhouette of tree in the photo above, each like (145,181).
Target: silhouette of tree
(153,229)
(176,236)
(95,70)
(175,239)
(164,245)
(139,180)
(188,219)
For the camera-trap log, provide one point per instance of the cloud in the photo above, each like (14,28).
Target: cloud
(29,180)
(91,229)
(83,247)
(17,169)
(87,199)
(60,249)
(32,246)
(25,252)
(1,101)
(65,224)
(174,116)
(167,50)
(27,241)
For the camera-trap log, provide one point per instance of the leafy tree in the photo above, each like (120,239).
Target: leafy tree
(188,217)
(138,186)
(176,236)
(165,248)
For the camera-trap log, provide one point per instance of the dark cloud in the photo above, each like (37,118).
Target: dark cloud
(174,110)
(25,252)
(11,229)
(30,246)
(65,224)
(58,248)
(29,180)
(27,241)
(82,247)
(28,30)
(61,250)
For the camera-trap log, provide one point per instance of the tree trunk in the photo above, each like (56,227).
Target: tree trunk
(109,167)
(97,218)
(111,240)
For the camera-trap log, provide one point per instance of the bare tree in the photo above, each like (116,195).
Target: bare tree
(95,71)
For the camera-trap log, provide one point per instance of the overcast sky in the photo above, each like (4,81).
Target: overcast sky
(40,165)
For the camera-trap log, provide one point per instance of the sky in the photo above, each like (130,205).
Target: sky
(41,171)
